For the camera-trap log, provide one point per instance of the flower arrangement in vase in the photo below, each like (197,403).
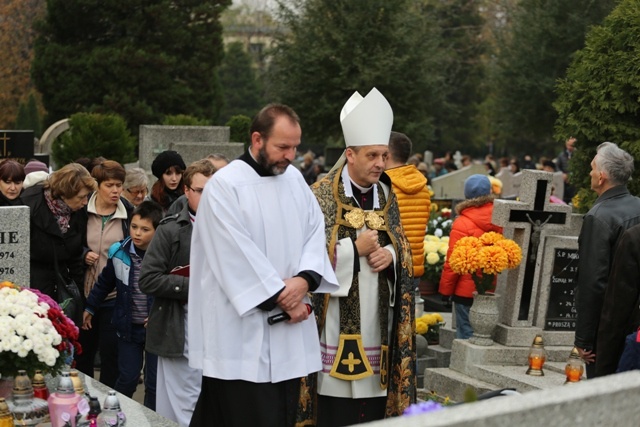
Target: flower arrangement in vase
(34,332)
(484,258)
(428,325)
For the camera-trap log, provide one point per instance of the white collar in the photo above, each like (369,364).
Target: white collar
(348,191)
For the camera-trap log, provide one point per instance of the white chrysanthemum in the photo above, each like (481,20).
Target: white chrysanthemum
(22,352)
(433,258)
(438,233)
(27,344)
(5,308)
(47,339)
(57,339)
(5,345)
(15,343)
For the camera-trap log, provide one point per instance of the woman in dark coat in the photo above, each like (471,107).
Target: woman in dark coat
(58,225)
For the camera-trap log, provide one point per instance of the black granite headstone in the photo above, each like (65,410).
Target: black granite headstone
(17,145)
(561,311)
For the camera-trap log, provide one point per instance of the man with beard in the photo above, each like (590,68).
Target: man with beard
(258,247)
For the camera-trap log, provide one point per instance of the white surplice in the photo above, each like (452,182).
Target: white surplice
(252,232)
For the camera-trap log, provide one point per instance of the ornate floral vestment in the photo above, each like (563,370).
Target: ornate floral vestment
(336,207)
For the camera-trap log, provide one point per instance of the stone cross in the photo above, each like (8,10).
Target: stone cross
(14,245)
(524,221)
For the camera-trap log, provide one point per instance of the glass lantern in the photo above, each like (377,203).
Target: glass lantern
(537,357)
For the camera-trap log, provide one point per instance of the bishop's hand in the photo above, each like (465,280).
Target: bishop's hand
(367,242)
(380,259)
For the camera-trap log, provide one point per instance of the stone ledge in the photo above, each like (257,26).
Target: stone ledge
(448,383)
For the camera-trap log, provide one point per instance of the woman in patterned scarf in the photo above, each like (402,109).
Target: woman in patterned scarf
(58,225)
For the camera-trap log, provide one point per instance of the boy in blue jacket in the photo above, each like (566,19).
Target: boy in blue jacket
(132,306)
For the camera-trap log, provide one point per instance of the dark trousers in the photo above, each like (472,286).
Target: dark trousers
(150,375)
(130,360)
(236,403)
(102,336)
(336,411)
(131,357)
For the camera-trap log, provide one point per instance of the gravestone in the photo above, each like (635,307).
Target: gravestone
(558,185)
(524,221)
(14,245)
(16,145)
(561,313)
(428,159)
(516,181)
(451,185)
(530,297)
(506,177)
(192,142)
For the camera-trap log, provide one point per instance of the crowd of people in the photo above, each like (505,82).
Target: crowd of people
(292,289)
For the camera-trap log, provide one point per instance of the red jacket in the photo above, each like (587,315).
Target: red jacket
(474,219)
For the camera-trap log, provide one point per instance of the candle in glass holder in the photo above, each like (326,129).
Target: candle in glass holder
(536,362)
(574,367)
(537,357)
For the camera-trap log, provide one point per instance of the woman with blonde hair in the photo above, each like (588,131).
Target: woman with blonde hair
(58,226)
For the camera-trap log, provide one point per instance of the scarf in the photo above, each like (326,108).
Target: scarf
(60,210)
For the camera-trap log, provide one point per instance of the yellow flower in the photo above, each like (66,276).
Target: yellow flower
(464,259)
(493,259)
(430,247)
(444,239)
(470,241)
(433,258)
(421,327)
(444,247)
(491,238)
(514,253)
(438,317)
(431,238)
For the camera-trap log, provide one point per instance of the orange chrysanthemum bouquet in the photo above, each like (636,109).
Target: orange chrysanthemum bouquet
(484,257)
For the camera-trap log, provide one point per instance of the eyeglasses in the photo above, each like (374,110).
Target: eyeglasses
(196,190)
(136,192)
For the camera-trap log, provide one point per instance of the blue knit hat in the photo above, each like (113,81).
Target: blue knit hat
(476,186)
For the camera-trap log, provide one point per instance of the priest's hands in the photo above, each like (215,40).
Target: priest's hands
(295,290)
(380,259)
(367,242)
(298,314)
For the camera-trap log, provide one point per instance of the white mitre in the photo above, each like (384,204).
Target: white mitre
(366,121)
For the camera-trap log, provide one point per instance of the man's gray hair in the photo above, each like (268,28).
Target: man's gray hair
(615,162)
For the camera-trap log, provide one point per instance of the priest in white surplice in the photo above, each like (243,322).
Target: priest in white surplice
(366,335)
(257,248)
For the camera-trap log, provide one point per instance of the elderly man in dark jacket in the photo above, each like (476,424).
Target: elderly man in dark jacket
(614,211)
(620,310)
(178,385)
